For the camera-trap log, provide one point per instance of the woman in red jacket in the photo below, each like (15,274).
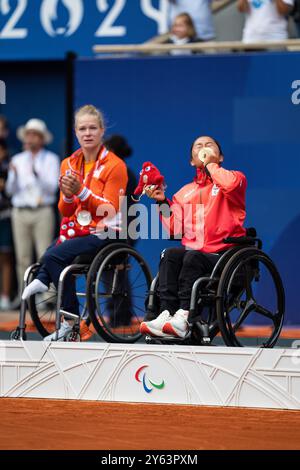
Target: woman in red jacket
(201,214)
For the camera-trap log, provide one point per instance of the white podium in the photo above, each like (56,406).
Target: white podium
(211,376)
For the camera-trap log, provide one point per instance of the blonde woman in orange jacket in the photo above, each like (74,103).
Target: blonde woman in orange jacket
(92,183)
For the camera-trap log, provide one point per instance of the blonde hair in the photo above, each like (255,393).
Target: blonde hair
(91,111)
(191,30)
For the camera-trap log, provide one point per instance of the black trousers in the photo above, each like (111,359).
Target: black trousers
(178,270)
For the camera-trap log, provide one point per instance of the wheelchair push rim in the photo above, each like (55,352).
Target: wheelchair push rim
(116,294)
(261,298)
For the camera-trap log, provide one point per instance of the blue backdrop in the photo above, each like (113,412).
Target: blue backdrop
(35,90)
(243,100)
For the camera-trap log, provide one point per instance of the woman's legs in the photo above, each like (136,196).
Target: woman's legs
(179,269)
(58,257)
(169,272)
(169,269)
(195,264)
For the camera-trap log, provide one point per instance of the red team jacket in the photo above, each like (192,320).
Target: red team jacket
(209,209)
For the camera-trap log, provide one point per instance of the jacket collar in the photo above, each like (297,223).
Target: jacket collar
(201,177)
(76,159)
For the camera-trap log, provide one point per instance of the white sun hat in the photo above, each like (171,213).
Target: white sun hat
(36,125)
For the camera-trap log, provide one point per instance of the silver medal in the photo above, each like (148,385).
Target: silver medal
(84,218)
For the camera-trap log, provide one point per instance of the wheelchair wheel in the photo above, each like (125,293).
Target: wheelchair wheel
(42,308)
(250,293)
(117,285)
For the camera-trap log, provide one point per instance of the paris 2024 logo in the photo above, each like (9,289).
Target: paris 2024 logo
(50,14)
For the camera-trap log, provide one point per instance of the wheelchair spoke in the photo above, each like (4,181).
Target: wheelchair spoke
(141,285)
(49,314)
(117,308)
(139,308)
(248,285)
(265,312)
(244,314)
(139,274)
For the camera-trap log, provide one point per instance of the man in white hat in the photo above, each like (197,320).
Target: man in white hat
(33,182)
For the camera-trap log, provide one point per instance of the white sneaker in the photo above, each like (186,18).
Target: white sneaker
(35,287)
(5,303)
(65,328)
(178,324)
(154,327)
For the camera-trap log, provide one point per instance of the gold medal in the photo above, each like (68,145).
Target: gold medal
(204,153)
(84,218)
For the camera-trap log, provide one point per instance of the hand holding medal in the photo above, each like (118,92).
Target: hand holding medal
(204,154)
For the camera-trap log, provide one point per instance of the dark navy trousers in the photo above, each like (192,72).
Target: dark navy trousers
(58,257)
(178,270)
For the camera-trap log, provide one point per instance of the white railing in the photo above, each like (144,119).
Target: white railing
(211,46)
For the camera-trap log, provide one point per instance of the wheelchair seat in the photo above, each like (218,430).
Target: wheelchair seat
(84,259)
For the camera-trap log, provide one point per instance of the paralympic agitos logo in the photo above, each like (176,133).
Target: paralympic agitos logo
(147,383)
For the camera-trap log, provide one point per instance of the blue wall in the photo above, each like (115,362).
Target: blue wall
(36,89)
(243,100)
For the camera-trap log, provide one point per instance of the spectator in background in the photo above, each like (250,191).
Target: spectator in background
(6,240)
(4,129)
(200,12)
(120,147)
(266,20)
(182,32)
(32,182)
(295,14)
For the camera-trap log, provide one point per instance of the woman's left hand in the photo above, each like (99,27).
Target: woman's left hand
(71,183)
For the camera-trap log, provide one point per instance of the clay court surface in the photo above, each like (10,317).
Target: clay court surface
(47,424)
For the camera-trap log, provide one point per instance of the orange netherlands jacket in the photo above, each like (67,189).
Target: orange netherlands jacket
(209,209)
(104,192)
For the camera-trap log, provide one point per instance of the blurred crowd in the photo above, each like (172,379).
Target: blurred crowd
(265,20)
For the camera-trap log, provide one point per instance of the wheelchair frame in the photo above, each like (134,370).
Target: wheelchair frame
(79,269)
(203,332)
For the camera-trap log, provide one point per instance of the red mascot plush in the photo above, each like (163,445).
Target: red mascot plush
(69,229)
(149,176)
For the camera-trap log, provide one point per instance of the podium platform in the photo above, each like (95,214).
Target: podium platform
(140,373)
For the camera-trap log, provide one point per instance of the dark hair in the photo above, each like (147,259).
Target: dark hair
(118,145)
(4,121)
(215,141)
(3,144)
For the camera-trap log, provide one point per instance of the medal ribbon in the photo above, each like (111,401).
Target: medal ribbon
(87,182)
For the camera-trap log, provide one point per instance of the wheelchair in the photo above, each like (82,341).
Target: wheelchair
(243,287)
(115,283)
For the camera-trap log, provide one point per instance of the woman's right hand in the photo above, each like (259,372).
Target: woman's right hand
(65,188)
(158,193)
